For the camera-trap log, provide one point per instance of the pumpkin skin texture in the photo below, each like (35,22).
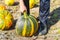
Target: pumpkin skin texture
(31,3)
(2,7)
(26,26)
(6,19)
(9,2)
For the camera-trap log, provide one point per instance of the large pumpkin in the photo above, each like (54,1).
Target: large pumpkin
(26,25)
(9,2)
(31,3)
(6,19)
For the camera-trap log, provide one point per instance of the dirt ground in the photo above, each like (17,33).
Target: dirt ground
(53,23)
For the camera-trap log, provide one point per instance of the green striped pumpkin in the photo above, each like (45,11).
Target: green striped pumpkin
(26,25)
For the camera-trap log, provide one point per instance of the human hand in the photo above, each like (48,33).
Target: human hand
(22,6)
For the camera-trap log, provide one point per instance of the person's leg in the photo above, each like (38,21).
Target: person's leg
(44,12)
(26,2)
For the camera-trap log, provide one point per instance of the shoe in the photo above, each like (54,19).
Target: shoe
(43,28)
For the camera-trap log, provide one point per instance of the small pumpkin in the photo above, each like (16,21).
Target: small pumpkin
(31,3)
(2,7)
(26,25)
(6,19)
(9,2)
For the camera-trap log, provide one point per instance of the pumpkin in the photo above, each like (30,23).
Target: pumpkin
(9,2)
(37,1)
(26,25)
(2,7)
(6,19)
(31,3)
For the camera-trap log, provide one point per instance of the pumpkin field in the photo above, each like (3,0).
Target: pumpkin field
(11,13)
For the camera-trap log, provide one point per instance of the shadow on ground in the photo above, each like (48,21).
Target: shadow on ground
(14,24)
(54,17)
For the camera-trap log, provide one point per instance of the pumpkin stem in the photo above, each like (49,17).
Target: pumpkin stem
(25,14)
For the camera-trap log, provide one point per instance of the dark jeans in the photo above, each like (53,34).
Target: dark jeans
(44,10)
(43,16)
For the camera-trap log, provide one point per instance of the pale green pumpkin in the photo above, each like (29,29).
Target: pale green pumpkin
(26,25)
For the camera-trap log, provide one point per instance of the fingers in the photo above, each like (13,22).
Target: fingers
(23,8)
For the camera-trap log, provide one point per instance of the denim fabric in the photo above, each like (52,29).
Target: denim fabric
(44,9)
